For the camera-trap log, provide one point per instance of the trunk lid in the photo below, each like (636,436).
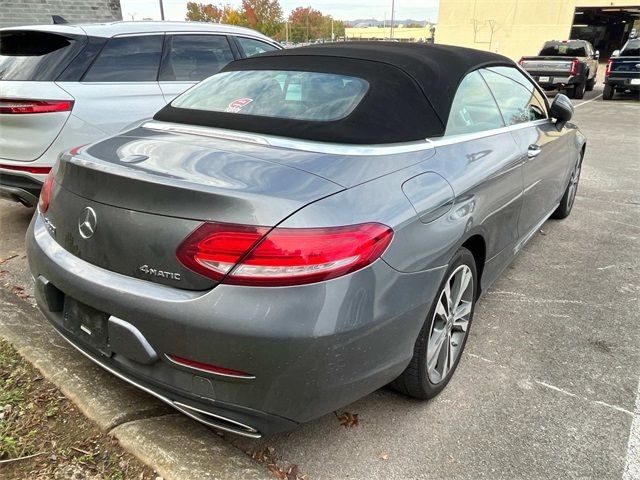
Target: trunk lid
(143,195)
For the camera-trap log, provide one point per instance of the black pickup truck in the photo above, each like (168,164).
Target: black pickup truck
(623,71)
(570,65)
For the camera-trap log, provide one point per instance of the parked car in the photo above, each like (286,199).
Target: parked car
(66,85)
(570,65)
(623,71)
(302,228)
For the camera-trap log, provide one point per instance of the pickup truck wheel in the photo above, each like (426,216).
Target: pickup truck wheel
(591,84)
(607,94)
(578,90)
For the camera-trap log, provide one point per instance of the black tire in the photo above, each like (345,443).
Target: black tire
(607,93)
(577,91)
(415,381)
(591,84)
(568,199)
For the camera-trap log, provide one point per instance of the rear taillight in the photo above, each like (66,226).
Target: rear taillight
(22,106)
(574,67)
(45,194)
(521,62)
(27,169)
(243,255)
(607,69)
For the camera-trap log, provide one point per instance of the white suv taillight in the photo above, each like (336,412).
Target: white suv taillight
(248,255)
(45,194)
(22,106)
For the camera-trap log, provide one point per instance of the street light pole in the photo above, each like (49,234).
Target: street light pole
(161,10)
(393,16)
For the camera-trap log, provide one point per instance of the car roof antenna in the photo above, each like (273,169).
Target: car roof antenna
(57,19)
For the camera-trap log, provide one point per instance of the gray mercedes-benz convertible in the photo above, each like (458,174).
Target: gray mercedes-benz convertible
(302,228)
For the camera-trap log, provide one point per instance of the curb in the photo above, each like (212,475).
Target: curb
(177,447)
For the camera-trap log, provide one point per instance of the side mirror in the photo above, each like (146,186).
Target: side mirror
(561,110)
(597,54)
(616,53)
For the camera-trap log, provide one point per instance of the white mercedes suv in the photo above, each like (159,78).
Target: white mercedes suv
(63,86)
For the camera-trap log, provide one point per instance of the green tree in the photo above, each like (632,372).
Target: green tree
(263,15)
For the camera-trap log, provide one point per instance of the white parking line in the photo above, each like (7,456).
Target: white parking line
(632,464)
(588,101)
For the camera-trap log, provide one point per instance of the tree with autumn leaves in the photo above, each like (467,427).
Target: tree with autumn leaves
(303,24)
(307,24)
(262,15)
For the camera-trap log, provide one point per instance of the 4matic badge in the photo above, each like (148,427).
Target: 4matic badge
(154,272)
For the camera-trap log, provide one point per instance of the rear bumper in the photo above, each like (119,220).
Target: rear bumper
(551,81)
(20,188)
(311,349)
(623,83)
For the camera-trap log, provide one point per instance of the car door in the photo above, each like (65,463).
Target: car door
(541,146)
(190,58)
(484,168)
(120,88)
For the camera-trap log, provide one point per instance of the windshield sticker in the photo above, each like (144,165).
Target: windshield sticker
(237,105)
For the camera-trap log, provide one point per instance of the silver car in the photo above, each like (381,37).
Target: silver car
(302,228)
(66,85)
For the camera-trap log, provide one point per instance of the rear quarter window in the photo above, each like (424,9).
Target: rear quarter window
(293,95)
(128,59)
(36,56)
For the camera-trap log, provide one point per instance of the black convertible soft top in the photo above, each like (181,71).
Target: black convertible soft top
(411,88)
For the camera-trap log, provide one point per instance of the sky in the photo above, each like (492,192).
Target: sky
(405,9)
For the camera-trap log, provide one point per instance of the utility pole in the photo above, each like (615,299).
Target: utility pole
(308,10)
(161,10)
(393,16)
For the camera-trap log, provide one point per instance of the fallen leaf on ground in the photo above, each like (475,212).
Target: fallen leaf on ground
(347,419)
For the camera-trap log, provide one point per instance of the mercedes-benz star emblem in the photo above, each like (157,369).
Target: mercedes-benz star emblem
(87,223)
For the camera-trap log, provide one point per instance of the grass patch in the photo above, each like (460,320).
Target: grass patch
(43,435)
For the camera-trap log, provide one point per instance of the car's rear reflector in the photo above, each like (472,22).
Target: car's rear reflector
(206,367)
(243,255)
(27,169)
(22,106)
(45,194)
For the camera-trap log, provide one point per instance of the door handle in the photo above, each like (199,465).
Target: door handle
(533,151)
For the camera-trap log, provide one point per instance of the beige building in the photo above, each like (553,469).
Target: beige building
(384,33)
(519,27)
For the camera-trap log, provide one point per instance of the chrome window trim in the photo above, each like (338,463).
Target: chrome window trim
(333,148)
(291,143)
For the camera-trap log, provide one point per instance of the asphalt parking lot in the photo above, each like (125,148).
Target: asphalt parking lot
(548,386)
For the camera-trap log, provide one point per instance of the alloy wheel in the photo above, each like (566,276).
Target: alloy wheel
(450,324)
(573,185)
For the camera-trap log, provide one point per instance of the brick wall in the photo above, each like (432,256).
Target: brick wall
(31,12)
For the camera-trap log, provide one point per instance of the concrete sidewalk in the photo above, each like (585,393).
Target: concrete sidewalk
(177,447)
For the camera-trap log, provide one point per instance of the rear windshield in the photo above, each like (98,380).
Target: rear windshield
(632,49)
(277,93)
(569,49)
(35,56)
